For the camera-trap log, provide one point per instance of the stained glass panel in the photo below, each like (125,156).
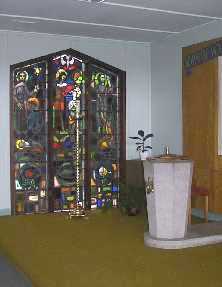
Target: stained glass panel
(68,131)
(104,138)
(30,128)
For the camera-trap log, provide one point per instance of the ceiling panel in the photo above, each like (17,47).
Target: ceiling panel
(205,7)
(131,23)
(81,30)
(104,14)
(117,16)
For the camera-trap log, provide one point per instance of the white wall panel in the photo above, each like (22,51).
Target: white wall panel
(4,125)
(166,84)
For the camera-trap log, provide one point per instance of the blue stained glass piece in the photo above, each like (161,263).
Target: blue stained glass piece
(62,198)
(99,203)
(68,144)
(115,188)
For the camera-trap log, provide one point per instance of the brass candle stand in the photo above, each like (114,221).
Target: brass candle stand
(77,211)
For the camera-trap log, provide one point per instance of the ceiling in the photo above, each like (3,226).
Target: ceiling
(129,20)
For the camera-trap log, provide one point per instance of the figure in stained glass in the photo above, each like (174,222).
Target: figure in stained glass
(34,118)
(101,82)
(22,76)
(79,78)
(61,77)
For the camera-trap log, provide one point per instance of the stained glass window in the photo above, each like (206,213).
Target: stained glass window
(104,137)
(29,130)
(66,133)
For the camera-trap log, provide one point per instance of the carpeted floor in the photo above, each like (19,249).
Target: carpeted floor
(105,250)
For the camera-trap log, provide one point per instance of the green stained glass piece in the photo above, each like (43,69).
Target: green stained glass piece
(107,188)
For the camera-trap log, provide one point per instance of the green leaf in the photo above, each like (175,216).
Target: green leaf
(141,133)
(148,146)
(135,138)
(148,136)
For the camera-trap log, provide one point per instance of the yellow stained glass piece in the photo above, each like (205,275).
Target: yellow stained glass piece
(37,71)
(22,76)
(104,144)
(92,182)
(33,101)
(20,144)
(114,166)
(103,171)
(61,74)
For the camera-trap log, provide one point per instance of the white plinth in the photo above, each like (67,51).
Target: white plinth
(197,235)
(168,205)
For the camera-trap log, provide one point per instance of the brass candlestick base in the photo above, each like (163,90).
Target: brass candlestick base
(169,156)
(78,211)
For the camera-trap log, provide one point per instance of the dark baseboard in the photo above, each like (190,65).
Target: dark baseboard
(211,215)
(5,211)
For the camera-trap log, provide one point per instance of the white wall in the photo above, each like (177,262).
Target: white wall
(166,84)
(134,58)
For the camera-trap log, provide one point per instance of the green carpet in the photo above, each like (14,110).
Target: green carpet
(105,250)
